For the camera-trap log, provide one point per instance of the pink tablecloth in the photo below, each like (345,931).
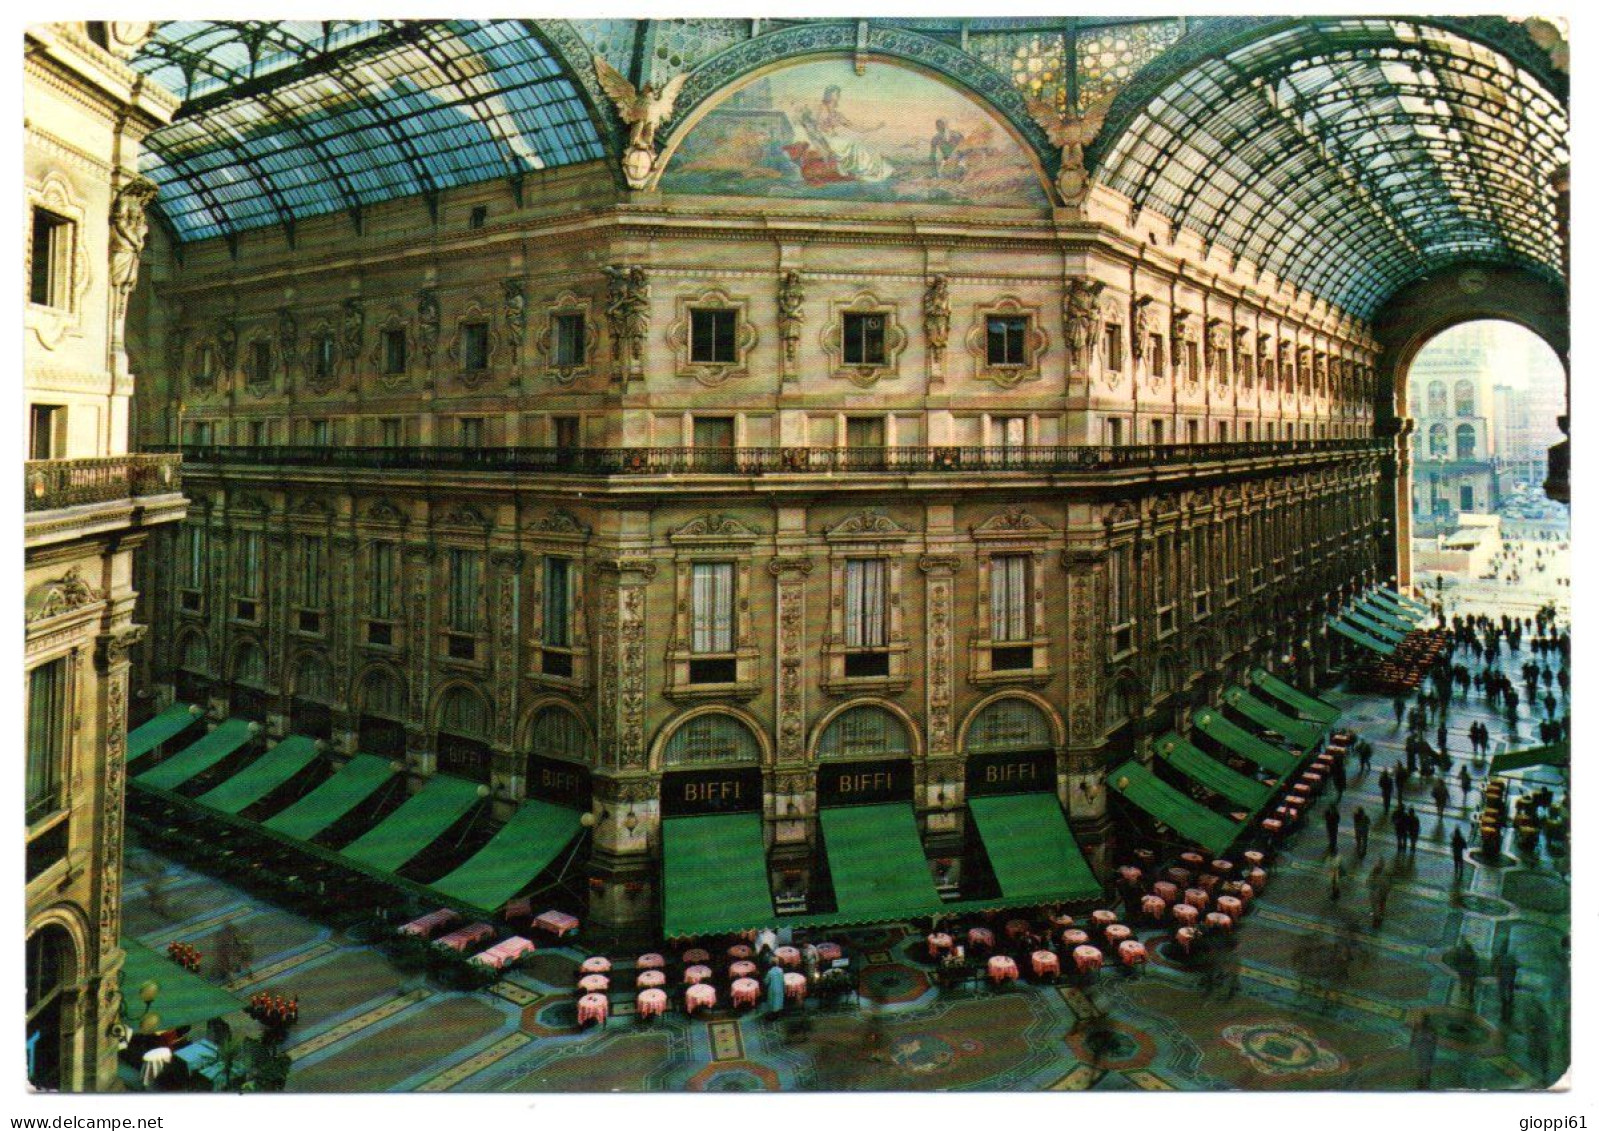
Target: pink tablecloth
(1197,897)
(1046,964)
(1257,879)
(651,1003)
(739,951)
(1117,933)
(1132,952)
(651,979)
(1074,937)
(1311,779)
(432,921)
(741,970)
(938,944)
(556,922)
(1246,892)
(1230,905)
(702,996)
(461,938)
(1221,867)
(1061,922)
(593,984)
(829,951)
(1153,906)
(787,957)
(1272,825)
(696,957)
(1103,919)
(980,936)
(1194,860)
(1185,938)
(651,962)
(694,975)
(596,965)
(1216,921)
(1166,890)
(1185,915)
(1002,969)
(1088,959)
(1254,858)
(1207,882)
(1130,874)
(502,954)
(795,987)
(592,1007)
(746,992)
(1182,877)
(1016,928)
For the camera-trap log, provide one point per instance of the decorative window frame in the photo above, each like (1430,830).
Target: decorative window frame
(566,303)
(1007,376)
(198,382)
(1014,531)
(312,518)
(679,335)
(385,523)
(862,535)
(712,538)
(476,311)
(247,345)
(393,319)
(559,534)
(894,340)
(51,324)
(461,528)
(318,383)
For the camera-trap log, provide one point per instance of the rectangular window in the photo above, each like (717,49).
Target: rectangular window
(191,558)
(557,602)
(382,571)
(318,434)
(1157,355)
(258,433)
(1007,340)
(1157,431)
(713,433)
(1191,351)
(200,433)
(863,339)
(863,431)
(47,737)
(566,431)
(466,591)
(1113,347)
(323,355)
(390,433)
(713,337)
(1193,431)
(260,362)
(711,604)
(1010,432)
(1249,431)
(865,623)
(311,578)
(247,565)
(47,431)
(1113,431)
(394,351)
(474,346)
(571,345)
(1221,431)
(1010,597)
(469,431)
(478,217)
(51,259)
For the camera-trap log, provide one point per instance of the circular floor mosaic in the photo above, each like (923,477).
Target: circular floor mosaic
(1537,892)
(1280,1048)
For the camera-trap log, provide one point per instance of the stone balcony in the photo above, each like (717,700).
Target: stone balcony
(68,498)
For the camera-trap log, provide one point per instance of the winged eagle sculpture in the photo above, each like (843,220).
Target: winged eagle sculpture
(1072,134)
(643,111)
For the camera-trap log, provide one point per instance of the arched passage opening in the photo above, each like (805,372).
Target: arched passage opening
(51,960)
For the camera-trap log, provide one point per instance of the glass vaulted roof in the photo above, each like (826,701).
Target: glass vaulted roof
(293,119)
(1349,157)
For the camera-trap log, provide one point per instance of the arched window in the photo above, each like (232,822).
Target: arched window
(50,962)
(1438,441)
(557,733)
(1119,704)
(1437,399)
(382,695)
(1009,724)
(1465,398)
(864,733)
(312,679)
(714,739)
(249,665)
(463,712)
(196,654)
(1465,442)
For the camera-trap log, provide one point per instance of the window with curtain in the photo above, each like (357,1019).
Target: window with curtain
(711,739)
(382,560)
(191,558)
(464,713)
(864,601)
(249,666)
(557,602)
(557,733)
(862,733)
(711,603)
(311,588)
(382,695)
(466,588)
(47,737)
(247,582)
(1010,597)
(1465,398)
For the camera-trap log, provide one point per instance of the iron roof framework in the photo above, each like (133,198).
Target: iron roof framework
(1349,157)
(294,119)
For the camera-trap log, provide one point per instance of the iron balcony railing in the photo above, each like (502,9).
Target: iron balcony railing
(49,484)
(767,461)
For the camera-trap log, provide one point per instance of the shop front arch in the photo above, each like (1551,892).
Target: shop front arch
(247,698)
(711,761)
(192,679)
(463,721)
(380,723)
(311,696)
(53,973)
(1009,741)
(865,753)
(558,752)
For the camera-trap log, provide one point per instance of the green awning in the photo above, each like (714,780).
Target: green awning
(182,999)
(1307,705)
(1365,640)
(513,857)
(192,761)
(1296,731)
(1399,622)
(262,776)
(1183,815)
(1035,856)
(1194,763)
(357,780)
(714,875)
(1269,757)
(1418,607)
(153,732)
(424,817)
(880,872)
(1558,754)
(1374,627)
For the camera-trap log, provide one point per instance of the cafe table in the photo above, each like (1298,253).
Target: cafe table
(746,992)
(980,937)
(696,957)
(1185,938)
(1130,875)
(740,951)
(696,998)
(1166,890)
(829,951)
(939,944)
(1153,907)
(651,979)
(1256,879)
(741,970)
(1230,906)
(1074,937)
(593,984)
(1182,877)
(1117,933)
(694,975)
(1002,968)
(651,1003)
(1185,915)
(1046,964)
(795,986)
(787,957)
(1088,959)
(1197,897)
(1216,921)
(596,965)
(1193,860)
(1132,952)
(1102,919)
(651,962)
(593,1007)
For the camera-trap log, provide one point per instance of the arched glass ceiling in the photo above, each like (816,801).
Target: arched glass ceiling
(1350,157)
(352,114)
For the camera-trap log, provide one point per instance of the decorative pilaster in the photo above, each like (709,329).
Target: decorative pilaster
(419,637)
(274,610)
(790,573)
(621,661)
(111,660)
(940,650)
(342,631)
(508,567)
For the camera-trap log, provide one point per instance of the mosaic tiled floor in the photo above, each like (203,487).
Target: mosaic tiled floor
(1320,1000)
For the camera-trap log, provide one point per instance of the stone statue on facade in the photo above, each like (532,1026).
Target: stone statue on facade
(790,312)
(627,311)
(1083,319)
(288,337)
(515,310)
(1072,134)
(354,328)
(1179,341)
(1139,322)
(427,319)
(227,345)
(129,229)
(935,315)
(643,111)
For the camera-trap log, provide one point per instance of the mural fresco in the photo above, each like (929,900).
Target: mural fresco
(819,131)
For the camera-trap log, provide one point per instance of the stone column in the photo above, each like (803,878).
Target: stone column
(790,797)
(99,1069)
(419,647)
(274,609)
(1083,762)
(505,616)
(344,623)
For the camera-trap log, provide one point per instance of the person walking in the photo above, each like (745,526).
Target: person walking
(1330,819)
(1424,1048)
(1335,877)
(1363,752)
(1413,820)
(1440,795)
(1399,709)
(1457,849)
(1401,779)
(1505,969)
(1465,787)
(775,995)
(1338,778)
(1385,785)
(1466,968)
(1362,832)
